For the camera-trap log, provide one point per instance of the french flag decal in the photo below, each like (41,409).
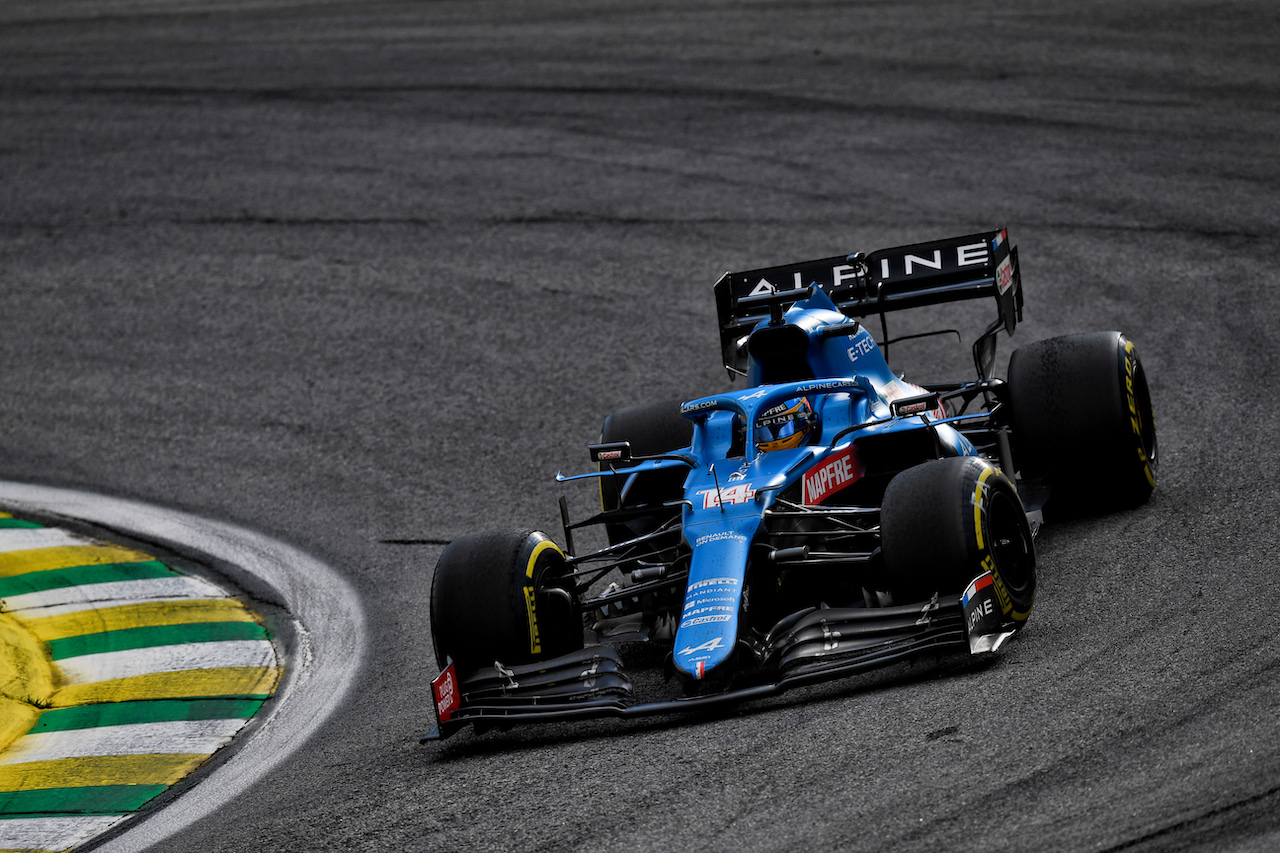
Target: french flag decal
(1000,238)
(979,583)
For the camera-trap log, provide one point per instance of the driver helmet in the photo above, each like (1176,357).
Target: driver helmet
(785,425)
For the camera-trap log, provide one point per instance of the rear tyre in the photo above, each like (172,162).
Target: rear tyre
(651,429)
(945,522)
(502,595)
(1082,420)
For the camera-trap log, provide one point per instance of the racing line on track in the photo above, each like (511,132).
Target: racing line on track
(123,675)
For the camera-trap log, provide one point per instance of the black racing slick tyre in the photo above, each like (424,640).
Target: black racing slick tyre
(502,595)
(1082,420)
(945,522)
(650,429)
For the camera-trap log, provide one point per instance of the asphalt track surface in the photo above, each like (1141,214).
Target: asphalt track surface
(358,275)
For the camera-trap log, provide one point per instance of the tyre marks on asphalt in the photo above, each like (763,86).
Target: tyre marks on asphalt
(120,676)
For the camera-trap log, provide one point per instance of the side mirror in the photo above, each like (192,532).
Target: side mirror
(921,404)
(611,452)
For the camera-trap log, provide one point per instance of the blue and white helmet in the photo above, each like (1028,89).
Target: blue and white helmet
(785,425)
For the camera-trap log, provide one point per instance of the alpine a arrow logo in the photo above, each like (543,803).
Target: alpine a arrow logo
(709,646)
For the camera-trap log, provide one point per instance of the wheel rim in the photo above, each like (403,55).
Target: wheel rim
(1010,542)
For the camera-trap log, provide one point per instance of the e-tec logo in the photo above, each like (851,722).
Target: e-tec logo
(738,493)
(835,473)
(861,346)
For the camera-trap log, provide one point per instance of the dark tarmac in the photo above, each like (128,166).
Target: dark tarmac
(349,273)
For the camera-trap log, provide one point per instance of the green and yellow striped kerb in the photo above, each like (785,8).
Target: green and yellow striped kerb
(119,676)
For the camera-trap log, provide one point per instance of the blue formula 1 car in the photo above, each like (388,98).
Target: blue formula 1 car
(828,518)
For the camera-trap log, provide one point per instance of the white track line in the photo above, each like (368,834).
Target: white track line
(105,666)
(69,599)
(178,737)
(58,833)
(329,629)
(24,539)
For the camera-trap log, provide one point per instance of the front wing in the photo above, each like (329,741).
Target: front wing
(816,645)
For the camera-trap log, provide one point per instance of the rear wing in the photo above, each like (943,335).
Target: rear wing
(969,267)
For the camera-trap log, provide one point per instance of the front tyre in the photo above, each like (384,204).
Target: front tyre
(503,595)
(1082,419)
(650,429)
(947,521)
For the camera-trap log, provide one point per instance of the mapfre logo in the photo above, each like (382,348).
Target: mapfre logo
(831,475)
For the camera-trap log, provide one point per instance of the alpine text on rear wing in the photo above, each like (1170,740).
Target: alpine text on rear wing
(968,267)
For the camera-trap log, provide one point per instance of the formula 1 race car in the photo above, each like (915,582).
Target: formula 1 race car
(827,519)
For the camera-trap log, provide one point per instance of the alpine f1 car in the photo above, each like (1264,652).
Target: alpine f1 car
(828,518)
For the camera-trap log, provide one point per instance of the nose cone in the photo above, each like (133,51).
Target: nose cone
(708,626)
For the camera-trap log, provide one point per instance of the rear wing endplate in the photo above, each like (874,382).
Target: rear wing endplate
(969,267)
